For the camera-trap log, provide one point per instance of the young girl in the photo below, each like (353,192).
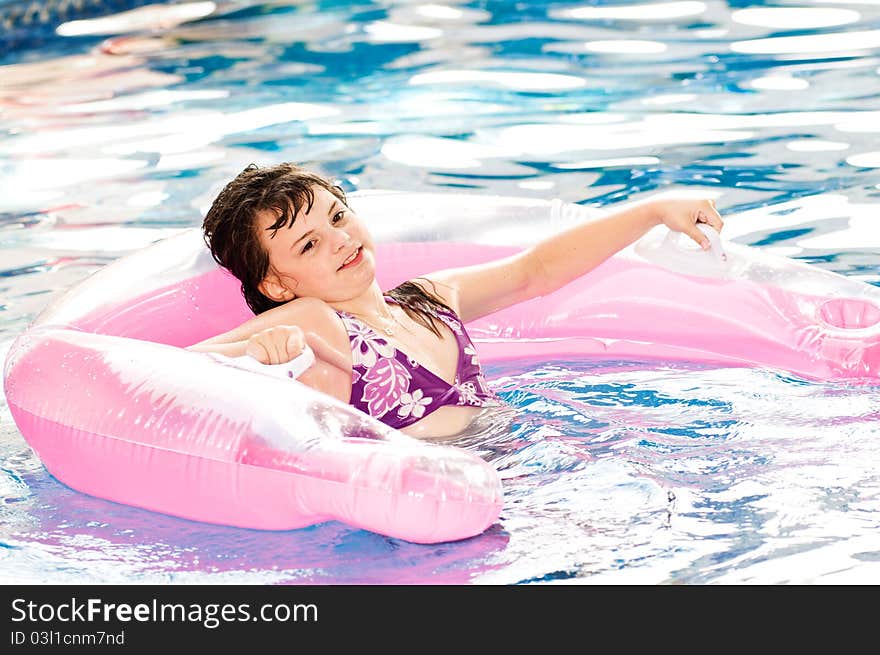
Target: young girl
(306,265)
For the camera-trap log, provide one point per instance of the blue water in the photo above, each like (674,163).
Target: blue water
(116,131)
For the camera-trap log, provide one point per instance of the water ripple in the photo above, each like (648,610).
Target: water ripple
(121,131)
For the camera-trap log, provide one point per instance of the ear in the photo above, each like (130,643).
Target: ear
(273,288)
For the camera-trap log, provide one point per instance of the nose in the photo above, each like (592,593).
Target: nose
(339,238)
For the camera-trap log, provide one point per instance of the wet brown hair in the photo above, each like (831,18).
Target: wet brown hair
(230,233)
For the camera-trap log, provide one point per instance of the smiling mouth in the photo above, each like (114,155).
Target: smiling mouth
(351,258)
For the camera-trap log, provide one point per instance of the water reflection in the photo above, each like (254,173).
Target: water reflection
(63,536)
(795,18)
(613,472)
(635,12)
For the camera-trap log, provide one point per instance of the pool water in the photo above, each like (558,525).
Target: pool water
(118,128)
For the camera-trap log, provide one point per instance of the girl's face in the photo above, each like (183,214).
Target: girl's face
(326,253)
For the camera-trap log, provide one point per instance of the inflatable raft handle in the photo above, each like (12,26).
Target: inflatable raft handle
(679,252)
(673,242)
(291,370)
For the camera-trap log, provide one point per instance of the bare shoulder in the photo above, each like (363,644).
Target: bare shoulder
(311,314)
(303,308)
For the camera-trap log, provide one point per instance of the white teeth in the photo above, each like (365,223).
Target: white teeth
(351,258)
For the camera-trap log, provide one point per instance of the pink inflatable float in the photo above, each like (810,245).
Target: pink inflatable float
(104,392)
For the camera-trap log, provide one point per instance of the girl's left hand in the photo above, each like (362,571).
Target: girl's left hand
(683,215)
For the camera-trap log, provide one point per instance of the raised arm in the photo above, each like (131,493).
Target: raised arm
(476,291)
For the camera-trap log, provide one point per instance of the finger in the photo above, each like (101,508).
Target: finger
(701,239)
(714,217)
(265,341)
(277,348)
(256,350)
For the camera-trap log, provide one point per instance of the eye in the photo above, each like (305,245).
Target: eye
(338,216)
(309,245)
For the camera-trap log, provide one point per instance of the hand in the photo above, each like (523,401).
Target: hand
(276,345)
(682,215)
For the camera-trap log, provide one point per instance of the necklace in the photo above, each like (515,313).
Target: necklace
(388,322)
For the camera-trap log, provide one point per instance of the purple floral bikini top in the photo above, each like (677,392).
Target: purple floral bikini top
(390,386)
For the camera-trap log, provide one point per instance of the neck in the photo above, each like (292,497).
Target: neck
(370,303)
